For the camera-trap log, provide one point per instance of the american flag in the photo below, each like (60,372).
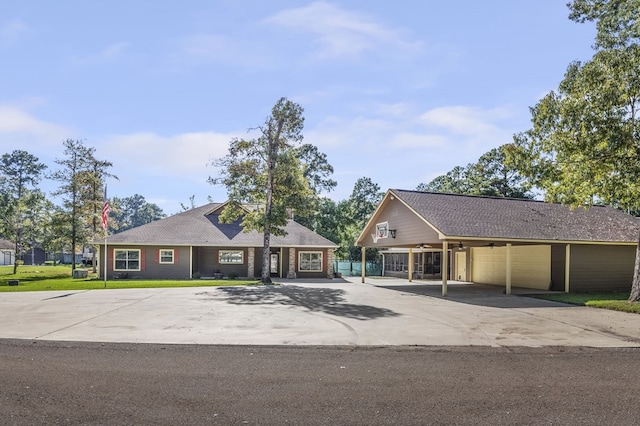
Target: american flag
(105,210)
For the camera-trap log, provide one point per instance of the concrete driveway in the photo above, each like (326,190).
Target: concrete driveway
(324,312)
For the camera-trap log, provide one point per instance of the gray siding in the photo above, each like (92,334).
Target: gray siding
(150,267)
(178,270)
(206,262)
(599,267)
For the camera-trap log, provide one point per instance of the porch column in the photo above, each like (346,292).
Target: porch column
(281,260)
(445,269)
(410,264)
(292,263)
(329,263)
(190,262)
(364,264)
(508,289)
(567,263)
(251,261)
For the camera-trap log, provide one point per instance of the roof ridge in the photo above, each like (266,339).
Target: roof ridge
(496,197)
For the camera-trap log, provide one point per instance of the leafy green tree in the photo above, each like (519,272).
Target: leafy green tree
(325,219)
(584,143)
(270,173)
(135,211)
(94,195)
(20,174)
(80,174)
(616,20)
(453,182)
(354,214)
(491,175)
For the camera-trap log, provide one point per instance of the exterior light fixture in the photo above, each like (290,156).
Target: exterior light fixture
(392,232)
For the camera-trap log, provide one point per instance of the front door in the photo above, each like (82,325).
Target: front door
(461,266)
(274,264)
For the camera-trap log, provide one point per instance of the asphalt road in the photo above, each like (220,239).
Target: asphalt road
(79,383)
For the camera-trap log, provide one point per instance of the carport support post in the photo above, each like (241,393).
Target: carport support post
(445,266)
(567,262)
(508,289)
(364,265)
(410,264)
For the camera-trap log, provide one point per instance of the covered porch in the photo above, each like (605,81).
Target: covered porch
(446,262)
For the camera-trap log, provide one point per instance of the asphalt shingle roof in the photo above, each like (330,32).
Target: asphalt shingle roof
(495,217)
(199,228)
(6,244)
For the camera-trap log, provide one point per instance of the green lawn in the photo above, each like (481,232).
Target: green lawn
(41,278)
(614,301)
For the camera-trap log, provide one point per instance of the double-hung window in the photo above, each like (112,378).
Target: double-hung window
(166,256)
(126,260)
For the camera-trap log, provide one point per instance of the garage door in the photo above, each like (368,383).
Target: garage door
(530,266)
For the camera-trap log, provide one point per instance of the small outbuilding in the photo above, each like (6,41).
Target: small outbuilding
(503,241)
(195,243)
(7,252)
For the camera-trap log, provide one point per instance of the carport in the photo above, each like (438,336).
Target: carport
(507,242)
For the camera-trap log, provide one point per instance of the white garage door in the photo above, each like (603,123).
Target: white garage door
(530,266)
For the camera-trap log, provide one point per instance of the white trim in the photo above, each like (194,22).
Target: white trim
(115,250)
(382,230)
(300,253)
(173,256)
(220,261)
(533,241)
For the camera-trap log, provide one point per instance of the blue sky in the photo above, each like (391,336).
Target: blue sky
(400,92)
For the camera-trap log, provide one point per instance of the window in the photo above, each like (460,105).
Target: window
(126,260)
(310,261)
(231,256)
(166,256)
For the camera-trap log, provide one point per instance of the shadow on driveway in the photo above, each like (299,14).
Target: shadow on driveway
(326,300)
(480,295)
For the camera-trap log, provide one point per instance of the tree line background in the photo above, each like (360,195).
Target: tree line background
(69,218)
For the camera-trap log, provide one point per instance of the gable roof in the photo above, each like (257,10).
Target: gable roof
(483,217)
(6,244)
(200,227)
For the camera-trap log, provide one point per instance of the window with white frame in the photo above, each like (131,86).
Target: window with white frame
(126,260)
(166,256)
(310,261)
(234,257)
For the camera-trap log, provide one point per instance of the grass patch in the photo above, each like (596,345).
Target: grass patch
(52,278)
(614,301)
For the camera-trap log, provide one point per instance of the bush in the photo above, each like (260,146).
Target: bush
(233,275)
(197,275)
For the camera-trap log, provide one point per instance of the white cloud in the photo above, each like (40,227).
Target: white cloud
(468,124)
(108,54)
(12,32)
(181,155)
(19,125)
(166,170)
(341,33)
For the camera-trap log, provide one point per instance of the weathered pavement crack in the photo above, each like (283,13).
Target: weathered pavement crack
(98,316)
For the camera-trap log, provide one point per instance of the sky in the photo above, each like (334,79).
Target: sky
(400,92)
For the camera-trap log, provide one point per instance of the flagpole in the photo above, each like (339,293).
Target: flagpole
(105,259)
(105,227)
